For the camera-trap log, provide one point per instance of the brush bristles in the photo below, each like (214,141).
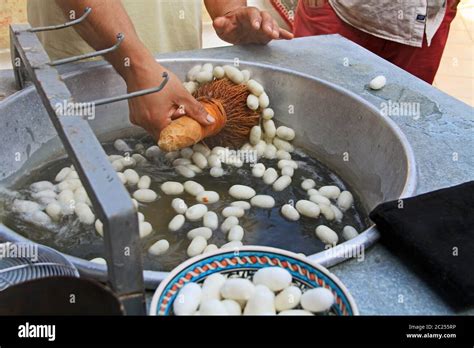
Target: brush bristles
(240,119)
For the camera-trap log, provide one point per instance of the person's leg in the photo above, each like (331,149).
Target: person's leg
(422,62)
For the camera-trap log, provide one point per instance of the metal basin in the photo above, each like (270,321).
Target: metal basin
(366,149)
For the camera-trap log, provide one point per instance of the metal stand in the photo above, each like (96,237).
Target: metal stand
(111,201)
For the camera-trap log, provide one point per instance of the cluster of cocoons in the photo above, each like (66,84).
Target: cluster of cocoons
(327,201)
(270,292)
(50,201)
(198,211)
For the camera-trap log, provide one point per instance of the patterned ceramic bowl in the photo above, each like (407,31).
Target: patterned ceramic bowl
(244,263)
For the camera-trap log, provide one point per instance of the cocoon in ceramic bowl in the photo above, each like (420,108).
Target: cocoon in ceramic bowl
(244,263)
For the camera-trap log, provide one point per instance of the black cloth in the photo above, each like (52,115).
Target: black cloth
(434,233)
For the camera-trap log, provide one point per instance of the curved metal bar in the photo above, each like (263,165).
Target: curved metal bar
(120,38)
(133,94)
(87,11)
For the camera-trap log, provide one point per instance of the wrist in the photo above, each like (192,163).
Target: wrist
(229,10)
(132,60)
(218,8)
(144,74)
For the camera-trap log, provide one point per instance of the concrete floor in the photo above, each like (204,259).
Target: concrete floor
(455,75)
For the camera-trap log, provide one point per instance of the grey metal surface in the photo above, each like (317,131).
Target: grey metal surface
(109,198)
(445,126)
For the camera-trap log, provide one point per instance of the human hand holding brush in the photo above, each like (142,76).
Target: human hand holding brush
(154,112)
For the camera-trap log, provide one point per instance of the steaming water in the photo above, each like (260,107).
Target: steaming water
(262,226)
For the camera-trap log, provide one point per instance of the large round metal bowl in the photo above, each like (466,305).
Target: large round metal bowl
(343,131)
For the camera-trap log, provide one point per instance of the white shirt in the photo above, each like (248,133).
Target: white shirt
(403,21)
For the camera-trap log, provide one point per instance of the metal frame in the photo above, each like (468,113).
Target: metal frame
(109,197)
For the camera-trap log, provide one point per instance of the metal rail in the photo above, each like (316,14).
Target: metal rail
(110,199)
(87,11)
(120,38)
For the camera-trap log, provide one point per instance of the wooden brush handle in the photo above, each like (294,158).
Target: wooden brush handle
(185,131)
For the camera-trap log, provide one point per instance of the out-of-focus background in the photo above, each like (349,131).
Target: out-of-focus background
(455,76)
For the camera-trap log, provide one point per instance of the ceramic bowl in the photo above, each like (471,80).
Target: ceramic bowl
(244,263)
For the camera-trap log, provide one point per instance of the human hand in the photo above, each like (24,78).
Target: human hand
(155,111)
(246,25)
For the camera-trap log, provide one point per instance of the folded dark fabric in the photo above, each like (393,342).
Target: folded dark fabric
(434,232)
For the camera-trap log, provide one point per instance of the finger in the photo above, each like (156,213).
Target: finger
(158,125)
(276,30)
(155,130)
(254,17)
(220,24)
(267,24)
(195,110)
(223,26)
(180,111)
(285,34)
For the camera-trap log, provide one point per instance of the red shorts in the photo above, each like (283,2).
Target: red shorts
(422,62)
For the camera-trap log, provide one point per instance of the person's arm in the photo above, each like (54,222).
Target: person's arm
(237,23)
(135,63)
(218,8)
